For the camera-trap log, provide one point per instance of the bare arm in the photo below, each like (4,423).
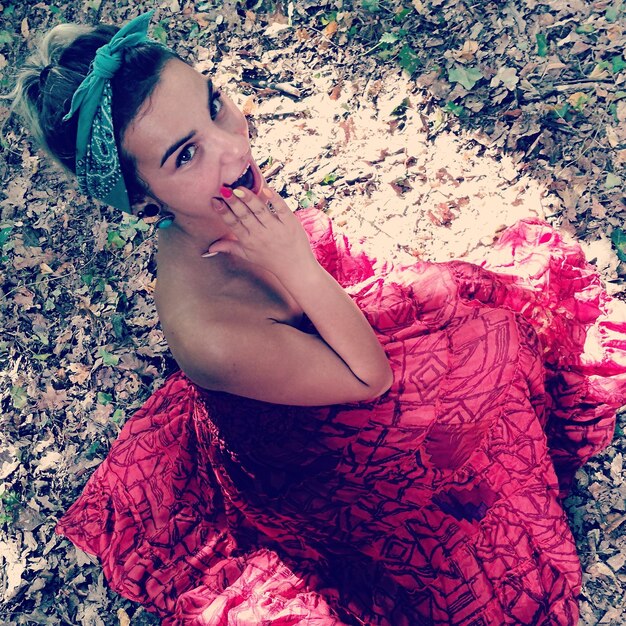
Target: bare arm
(273,361)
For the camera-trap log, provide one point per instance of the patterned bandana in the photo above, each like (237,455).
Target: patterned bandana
(97,161)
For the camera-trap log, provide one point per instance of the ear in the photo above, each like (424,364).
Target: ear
(147,209)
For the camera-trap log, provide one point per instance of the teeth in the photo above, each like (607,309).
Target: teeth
(241,175)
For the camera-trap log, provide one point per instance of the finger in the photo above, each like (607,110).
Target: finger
(275,204)
(242,204)
(265,193)
(230,218)
(257,203)
(225,246)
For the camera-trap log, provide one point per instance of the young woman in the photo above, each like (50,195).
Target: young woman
(342,444)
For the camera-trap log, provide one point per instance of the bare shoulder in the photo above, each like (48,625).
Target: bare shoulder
(200,328)
(243,336)
(211,325)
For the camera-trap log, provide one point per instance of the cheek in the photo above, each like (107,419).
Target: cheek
(239,123)
(245,129)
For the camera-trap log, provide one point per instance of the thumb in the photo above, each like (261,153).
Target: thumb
(225,245)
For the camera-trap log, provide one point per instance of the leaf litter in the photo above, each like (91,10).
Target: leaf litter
(422,128)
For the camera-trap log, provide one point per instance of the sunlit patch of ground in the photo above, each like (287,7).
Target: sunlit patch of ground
(388,171)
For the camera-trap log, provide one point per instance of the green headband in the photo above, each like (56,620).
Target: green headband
(97,161)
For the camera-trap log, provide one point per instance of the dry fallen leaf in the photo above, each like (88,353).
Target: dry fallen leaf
(506,76)
(617,468)
(49,460)
(13,565)
(331,28)
(467,52)
(123,617)
(52,399)
(249,106)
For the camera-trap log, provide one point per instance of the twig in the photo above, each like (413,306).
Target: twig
(560,23)
(272,171)
(539,94)
(583,84)
(285,88)
(615,524)
(279,115)
(319,32)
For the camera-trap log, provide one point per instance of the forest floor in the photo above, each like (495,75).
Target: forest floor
(425,127)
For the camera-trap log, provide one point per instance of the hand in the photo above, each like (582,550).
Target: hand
(268,234)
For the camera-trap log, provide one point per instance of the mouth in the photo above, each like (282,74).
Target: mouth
(250,179)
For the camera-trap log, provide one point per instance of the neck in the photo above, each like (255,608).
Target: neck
(192,238)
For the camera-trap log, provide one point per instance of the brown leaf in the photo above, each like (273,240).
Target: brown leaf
(335,92)
(331,29)
(15,192)
(123,617)
(467,52)
(24,298)
(102,413)
(249,106)
(203,19)
(14,566)
(52,399)
(302,34)
(80,373)
(579,47)
(49,460)
(442,215)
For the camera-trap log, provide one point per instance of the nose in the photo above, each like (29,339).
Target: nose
(230,145)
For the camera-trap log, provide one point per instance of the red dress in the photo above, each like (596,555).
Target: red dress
(438,503)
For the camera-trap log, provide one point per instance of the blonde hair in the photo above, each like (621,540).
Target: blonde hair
(31,86)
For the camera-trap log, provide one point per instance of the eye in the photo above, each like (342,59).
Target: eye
(186,154)
(216,104)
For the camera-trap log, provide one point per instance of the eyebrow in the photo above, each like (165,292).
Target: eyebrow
(180,142)
(175,146)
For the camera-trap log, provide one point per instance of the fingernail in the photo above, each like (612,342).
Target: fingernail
(206,255)
(239,193)
(226,192)
(267,192)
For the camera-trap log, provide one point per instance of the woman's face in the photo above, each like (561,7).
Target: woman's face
(188,140)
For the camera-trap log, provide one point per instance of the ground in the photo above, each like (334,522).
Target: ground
(424,126)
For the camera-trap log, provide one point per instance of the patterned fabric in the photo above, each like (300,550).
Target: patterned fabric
(97,161)
(438,503)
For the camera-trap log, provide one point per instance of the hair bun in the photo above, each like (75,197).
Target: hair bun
(43,76)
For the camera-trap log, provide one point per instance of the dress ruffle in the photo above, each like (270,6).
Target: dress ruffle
(438,503)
